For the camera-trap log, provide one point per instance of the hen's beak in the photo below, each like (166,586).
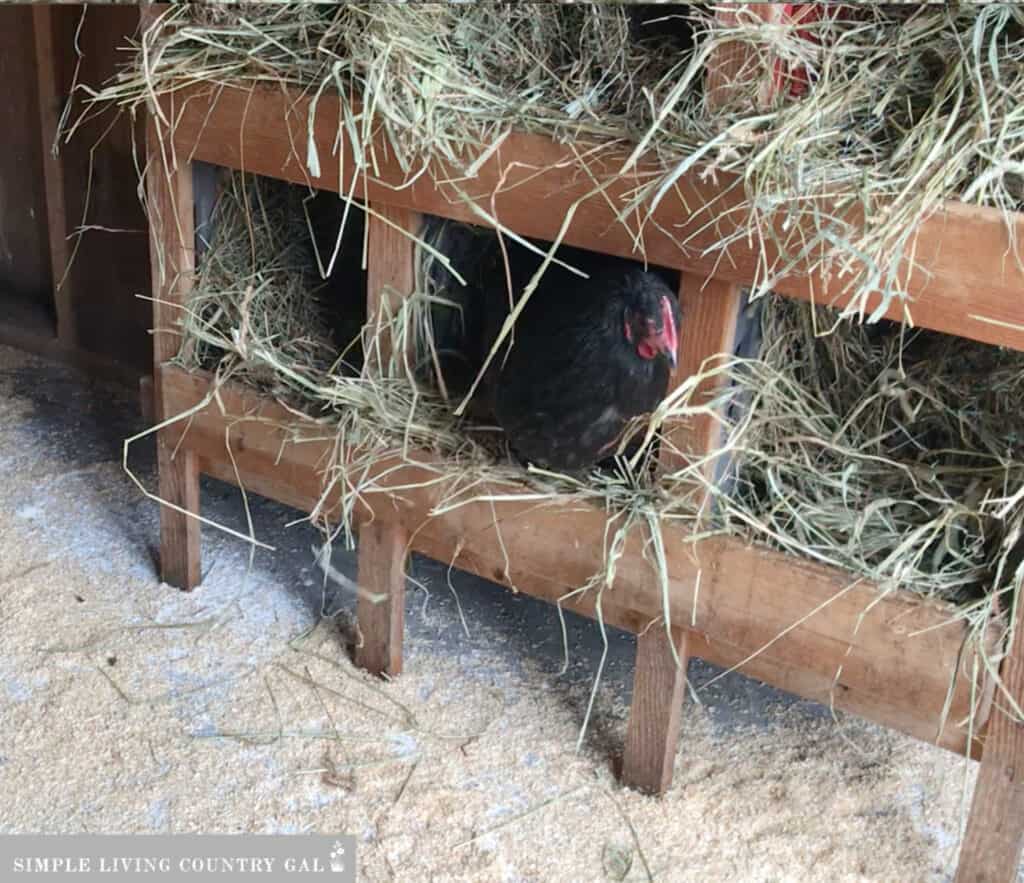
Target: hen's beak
(668,340)
(666,343)
(662,342)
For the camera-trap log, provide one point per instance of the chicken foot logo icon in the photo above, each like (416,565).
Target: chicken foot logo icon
(338,857)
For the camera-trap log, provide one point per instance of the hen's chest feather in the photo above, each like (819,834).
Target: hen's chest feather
(572,382)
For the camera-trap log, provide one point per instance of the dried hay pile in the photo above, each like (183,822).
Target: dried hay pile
(892,453)
(908,105)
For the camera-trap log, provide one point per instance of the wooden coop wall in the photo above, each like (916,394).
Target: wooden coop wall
(25,283)
(94,319)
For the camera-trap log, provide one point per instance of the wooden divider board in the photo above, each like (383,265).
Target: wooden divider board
(383,545)
(710,314)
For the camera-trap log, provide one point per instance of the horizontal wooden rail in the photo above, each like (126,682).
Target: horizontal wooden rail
(966,282)
(890,658)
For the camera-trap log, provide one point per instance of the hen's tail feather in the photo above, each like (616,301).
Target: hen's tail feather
(459,312)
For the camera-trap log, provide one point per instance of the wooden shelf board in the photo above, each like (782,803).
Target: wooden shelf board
(967,281)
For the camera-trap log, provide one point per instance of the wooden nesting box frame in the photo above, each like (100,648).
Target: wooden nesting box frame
(805,628)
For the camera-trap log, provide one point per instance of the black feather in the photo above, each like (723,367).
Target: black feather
(569,382)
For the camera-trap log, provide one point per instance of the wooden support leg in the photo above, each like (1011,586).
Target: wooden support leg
(710,310)
(655,714)
(179,534)
(172,246)
(991,850)
(382,549)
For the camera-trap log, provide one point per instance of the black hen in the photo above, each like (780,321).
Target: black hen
(587,356)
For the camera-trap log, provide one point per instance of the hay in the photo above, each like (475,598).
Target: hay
(910,105)
(260,287)
(888,452)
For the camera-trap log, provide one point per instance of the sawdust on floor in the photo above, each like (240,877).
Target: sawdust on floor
(126,706)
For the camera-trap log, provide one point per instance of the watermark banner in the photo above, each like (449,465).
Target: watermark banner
(173,857)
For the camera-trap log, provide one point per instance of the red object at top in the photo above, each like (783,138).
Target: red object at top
(797,76)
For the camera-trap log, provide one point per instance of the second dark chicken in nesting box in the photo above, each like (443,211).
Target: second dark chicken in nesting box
(584,358)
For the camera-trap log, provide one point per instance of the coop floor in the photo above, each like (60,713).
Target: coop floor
(127,706)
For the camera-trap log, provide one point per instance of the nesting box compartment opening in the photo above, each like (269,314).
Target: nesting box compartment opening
(280,285)
(565,351)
